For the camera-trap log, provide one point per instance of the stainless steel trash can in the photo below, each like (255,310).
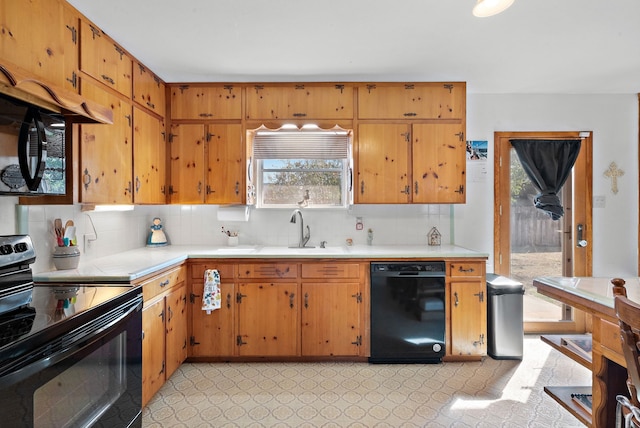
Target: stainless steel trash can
(505,331)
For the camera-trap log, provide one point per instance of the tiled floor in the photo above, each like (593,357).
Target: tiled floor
(487,394)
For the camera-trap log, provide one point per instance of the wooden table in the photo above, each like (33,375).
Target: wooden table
(595,297)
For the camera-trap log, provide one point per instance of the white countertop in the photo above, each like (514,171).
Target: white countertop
(131,265)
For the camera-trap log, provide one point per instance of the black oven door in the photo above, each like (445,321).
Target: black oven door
(90,376)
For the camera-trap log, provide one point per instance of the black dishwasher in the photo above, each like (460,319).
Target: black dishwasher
(407,312)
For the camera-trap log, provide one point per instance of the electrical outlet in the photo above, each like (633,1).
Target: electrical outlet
(88,239)
(359,224)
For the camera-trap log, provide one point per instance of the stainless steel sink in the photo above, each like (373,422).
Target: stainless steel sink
(276,250)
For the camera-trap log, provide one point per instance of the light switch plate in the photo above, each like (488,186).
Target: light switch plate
(599,201)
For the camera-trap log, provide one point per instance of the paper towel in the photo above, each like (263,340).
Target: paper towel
(233,213)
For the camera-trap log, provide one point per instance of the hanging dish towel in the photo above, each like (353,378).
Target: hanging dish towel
(211,299)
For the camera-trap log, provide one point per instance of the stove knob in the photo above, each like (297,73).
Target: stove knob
(6,249)
(437,347)
(20,247)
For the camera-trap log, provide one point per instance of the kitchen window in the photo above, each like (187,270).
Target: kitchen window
(307,167)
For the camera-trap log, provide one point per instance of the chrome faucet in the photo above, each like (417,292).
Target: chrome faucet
(304,238)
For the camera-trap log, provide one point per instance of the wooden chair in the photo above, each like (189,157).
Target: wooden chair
(628,313)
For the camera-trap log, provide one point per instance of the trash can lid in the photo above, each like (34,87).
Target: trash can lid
(502,282)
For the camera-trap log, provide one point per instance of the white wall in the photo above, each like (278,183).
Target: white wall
(612,118)
(614,122)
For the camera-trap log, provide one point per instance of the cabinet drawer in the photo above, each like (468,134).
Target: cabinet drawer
(610,336)
(225,271)
(161,283)
(268,270)
(465,269)
(331,270)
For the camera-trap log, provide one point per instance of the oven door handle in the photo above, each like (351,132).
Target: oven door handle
(29,364)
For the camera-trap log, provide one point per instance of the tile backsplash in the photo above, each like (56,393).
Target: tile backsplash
(104,233)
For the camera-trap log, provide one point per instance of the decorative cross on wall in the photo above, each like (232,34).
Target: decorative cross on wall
(613,173)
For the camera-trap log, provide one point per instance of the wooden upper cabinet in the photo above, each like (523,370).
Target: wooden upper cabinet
(149,152)
(383,164)
(206,102)
(225,166)
(104,60)
(41,37)
(148,89)
(412,101)
(439,163)
(300,101)
(187,163)
(106,151)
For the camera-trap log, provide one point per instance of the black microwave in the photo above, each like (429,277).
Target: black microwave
(32,149)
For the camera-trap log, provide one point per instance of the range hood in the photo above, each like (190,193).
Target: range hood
(23,86)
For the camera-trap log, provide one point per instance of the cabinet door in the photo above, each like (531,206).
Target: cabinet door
(176,326)
(268,319)
(187,164)
(383,164)
(439,163)
(40,36)
(225,169)
(300,101)
(468,318)
(412,101)
(106,152)
(206,102)
(153,347)
(212,334)
(105,61)
(149,152)
(330,319)
(148,89)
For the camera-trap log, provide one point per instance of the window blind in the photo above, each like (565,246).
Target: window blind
(301,145)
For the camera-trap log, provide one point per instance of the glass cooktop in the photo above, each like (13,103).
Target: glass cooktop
(55,310)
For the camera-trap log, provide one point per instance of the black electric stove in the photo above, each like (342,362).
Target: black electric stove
(59,339)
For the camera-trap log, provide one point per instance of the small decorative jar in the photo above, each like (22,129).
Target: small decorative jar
(66,257)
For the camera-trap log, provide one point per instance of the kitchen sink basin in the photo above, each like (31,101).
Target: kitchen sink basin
(301,251)
(237,250)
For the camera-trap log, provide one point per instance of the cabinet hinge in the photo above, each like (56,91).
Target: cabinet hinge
(183,88)
(340,88)
(448,86)
(228,88)
(358,297)
(460,136)
(409,86)
(239,297)
(370,87)
(480,296)
(192,341)
(358,341)
(480,341)
(73,80)
(299,87)
(119,50)
(170,137)
(142,68)
(258,88)
(161,315)
(239,341)
(460,189)
(95,32)
(74,34)
(163,366)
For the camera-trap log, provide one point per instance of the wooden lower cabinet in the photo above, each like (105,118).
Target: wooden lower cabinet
(467,310)
(279,309)
(331,319)
(164,327)
(268,319)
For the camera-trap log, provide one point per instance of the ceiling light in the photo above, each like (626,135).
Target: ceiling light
(484,8)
